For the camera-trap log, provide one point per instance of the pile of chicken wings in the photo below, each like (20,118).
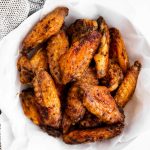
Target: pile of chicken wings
(78,78)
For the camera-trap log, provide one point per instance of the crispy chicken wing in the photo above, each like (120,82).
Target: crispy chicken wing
(77,59)
(118,50)
(98,101)
(47,99)
(28,105)
(92,135)
(57,46)
(44,29)
(128,85)
(102,57)
(25,68)
(80,28)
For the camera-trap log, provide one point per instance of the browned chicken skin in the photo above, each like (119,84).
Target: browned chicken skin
(28,105)
(117,49)
(57,46)
(47,99)
(77,59)
(80,28)
(128,85)
(44,29)
(102,57)
(92,135)
(27,67)
(98,101)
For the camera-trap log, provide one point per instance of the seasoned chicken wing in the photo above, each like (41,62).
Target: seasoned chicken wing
(102,57)
(74,110)
(118,50)
(128,85)
(25,68)
(57,46)
(77,59)
(44,29)
(28,105)
(92,135)
(39,60)
(98,101)
(47,99)
(80,28)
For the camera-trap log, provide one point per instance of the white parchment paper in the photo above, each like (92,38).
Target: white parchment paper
(27,136)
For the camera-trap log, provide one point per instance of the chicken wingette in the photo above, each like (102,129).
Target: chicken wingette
(99,102)
(102,57)
(77,59)
(92,135)
(57,46)
(44,29)
(117,49)
(128,85)
(80,28)
(47,99)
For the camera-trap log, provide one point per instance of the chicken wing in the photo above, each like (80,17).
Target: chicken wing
(28,105)
(118,50)
(80,28)
(74,110)
(25,68)
(44,29)
(57,46)
(98,101)
(102,57)
(92,135)
(128,85)
(77,59)
(47,99)
(39,61)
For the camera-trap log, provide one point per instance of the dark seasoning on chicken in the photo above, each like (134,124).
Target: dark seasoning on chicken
(80,78)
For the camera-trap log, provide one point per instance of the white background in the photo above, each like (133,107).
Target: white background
(139,11)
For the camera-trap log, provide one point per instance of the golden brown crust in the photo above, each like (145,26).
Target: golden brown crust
(92,135)
(128,85)
(98,101)
(118,50)
(77,59)
(47,99)
(102,57)
(80,28)
(28,104)
(57,46)
(25,69)
(45,28)
(39,60)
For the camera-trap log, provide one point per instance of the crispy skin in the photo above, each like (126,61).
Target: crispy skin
(118,50)
(89,121)
(39,60)
(88,77)
(47,99)
(25,69)
(75,110)
(44,29)
(51,131)
(92,135)
(128,85)
(77,59)
(28,105)
(57,46)
(98,101)
(80,28)
(102,57)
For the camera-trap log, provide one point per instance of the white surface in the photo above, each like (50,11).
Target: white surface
(28,137)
